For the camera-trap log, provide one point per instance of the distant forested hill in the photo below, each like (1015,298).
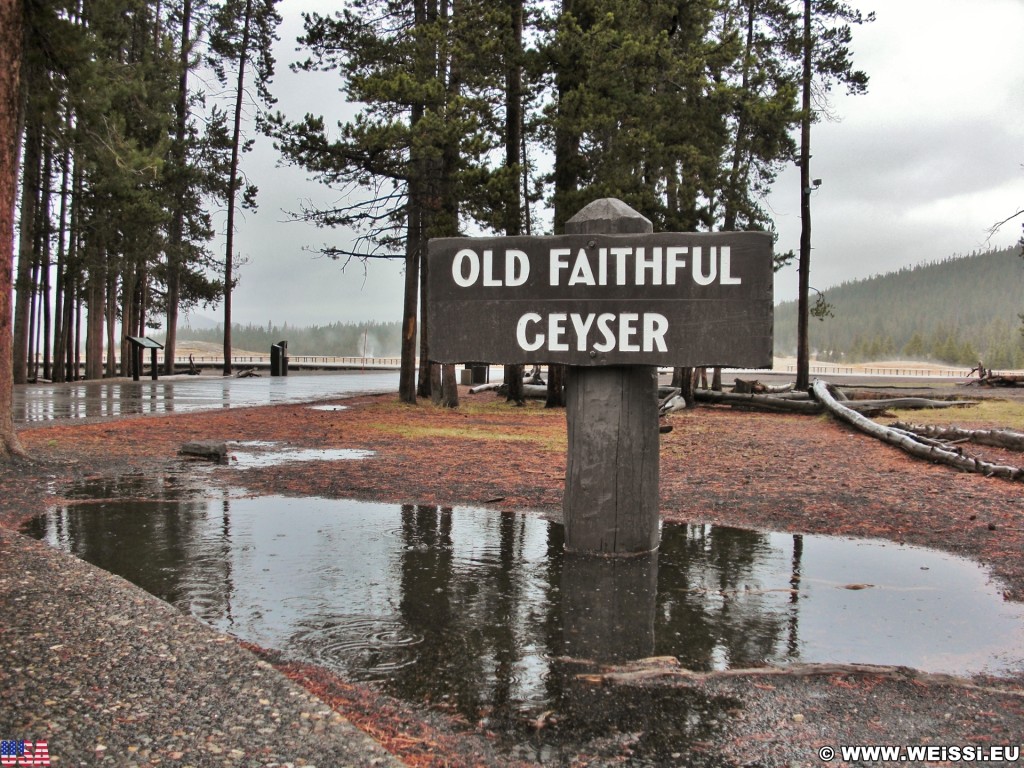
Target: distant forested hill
(958,311)
(342,339)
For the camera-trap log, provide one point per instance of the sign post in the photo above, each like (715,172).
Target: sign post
(610,503)
(614,301)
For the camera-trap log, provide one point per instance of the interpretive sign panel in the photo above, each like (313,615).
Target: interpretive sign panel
(665,299)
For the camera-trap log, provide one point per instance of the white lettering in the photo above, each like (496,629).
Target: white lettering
(655,327)
(582,327)
(627,330)
(517,268)
(489,280)
(582,274)
(620,255)
(458,273)
(727,278)
(698,271)
(556,328)
(650,263)
(634,332)
(525,344)
(559,261)
(674,262)
(604,325)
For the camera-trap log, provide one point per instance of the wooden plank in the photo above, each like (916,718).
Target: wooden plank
(592,299)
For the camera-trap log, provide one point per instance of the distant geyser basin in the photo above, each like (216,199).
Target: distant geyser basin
(474,606)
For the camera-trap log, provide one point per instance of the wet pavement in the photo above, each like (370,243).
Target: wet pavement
(182,394)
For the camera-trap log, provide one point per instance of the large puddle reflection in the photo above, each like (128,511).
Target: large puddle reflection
(480,610)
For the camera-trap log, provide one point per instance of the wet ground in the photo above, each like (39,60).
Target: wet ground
(185,394)
(756,597)
(485,613)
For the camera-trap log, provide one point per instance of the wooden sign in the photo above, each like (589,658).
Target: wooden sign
(665,299)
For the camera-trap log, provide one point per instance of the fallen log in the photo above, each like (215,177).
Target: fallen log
(906,441)
(798,402)
(485,387)
(755,387)
(1001,380)
(909,403)
(997,438)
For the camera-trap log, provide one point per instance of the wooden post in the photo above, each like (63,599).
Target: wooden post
(610,505)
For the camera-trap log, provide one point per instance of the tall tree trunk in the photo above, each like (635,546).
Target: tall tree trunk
(425,385)
(60,289)
(732,194)
(233,182)
(26,248)
(513,150)
(110,305)
(175,235)
(44,267)
(12,25)
(95,291)
(407,385)
(803,364)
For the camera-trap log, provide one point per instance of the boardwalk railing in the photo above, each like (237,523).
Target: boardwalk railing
(844,370)
(295,360)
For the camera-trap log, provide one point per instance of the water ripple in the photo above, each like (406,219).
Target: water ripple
(364,647)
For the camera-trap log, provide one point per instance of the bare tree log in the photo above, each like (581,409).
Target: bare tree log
(759,402)
(997,438)
(909,403)
(755,387)
(907,441)
(998,380)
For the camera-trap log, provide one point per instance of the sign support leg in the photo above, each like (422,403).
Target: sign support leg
(610,505)
(611,479)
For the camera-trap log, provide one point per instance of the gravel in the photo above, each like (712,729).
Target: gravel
(109,675)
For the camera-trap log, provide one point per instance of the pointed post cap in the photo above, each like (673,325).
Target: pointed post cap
(608,216)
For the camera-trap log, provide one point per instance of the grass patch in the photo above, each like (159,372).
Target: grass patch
(991,412)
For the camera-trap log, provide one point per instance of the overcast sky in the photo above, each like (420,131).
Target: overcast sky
(914,171)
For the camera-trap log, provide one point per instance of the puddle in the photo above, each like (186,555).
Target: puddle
(328,407)
(478,611)
(255,454)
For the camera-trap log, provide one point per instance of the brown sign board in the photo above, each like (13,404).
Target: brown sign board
(663,299)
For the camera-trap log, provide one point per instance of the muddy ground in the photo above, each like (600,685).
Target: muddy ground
(795,474)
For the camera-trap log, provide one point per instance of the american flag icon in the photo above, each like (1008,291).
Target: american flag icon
(18,752)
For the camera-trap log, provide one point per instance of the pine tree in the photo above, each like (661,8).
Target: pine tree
(241,37)
(12,25)
(822,45)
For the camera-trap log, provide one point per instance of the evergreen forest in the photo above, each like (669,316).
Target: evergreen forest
(960,311)
(136,117)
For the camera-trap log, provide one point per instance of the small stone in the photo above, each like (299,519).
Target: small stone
(798,718)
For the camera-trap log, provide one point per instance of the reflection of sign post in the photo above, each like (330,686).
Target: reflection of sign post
(612,300)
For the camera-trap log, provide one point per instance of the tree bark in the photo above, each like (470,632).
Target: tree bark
(12,24)
(234,183)
(175,235)
(803,365)
(26,247)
